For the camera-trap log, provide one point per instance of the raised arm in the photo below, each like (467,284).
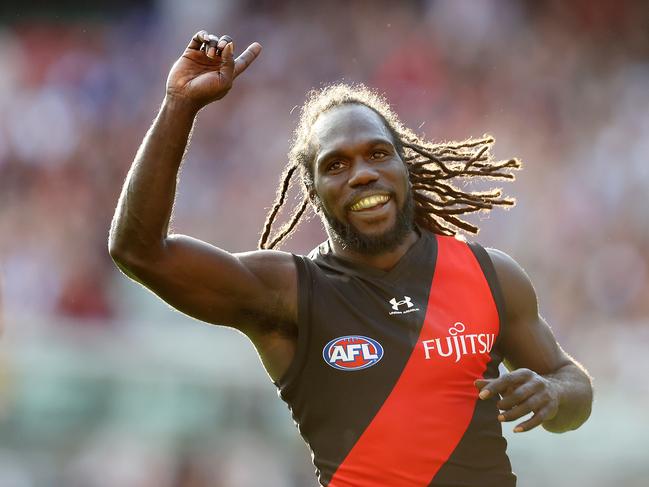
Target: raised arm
(255,291)
(544,379)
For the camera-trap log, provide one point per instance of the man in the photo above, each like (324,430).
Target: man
(385,341)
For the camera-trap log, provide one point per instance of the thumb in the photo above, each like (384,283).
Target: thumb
(480,383)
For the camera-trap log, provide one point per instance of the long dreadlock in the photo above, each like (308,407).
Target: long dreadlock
(432,167)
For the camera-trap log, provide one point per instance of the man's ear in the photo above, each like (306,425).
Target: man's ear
(313,198)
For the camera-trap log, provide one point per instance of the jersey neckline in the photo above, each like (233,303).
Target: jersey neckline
(424,247)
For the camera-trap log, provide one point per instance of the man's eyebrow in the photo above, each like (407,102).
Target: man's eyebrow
(340,153)
(320,159)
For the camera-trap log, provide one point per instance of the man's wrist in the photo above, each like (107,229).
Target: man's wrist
(180,104)
(555,385)
(573,399)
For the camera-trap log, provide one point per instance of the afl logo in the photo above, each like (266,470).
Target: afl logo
(352,352)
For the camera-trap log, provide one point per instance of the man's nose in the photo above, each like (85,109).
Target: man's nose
(363,174)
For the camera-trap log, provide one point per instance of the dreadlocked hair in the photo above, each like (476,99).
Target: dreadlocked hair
(434,168)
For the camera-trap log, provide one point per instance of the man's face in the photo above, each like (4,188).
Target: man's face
(360,182)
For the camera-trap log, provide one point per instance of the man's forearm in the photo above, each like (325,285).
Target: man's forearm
(144,209)
(574,388)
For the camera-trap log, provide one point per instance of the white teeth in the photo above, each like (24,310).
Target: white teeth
(369,202)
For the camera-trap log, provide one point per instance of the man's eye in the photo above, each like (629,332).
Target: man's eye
(335,165)
(378,154)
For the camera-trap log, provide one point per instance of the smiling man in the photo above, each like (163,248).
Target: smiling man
(361,188)
(386,340)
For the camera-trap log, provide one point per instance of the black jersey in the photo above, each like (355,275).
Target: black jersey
(382,383)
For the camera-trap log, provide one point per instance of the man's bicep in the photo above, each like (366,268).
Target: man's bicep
(218,287)
(527,340)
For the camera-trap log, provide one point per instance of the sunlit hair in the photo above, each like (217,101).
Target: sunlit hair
(434,168)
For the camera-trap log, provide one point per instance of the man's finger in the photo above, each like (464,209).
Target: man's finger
(517,395)
(534,421)
(483,387)
(246,58)
(520,410)
(496,386)
(481,384)
(227,60)
(499,385)
(198,40)
(223,41)
(211,43)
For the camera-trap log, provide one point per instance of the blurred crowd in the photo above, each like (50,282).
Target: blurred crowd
(561,85)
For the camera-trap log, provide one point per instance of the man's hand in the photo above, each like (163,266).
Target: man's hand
(205,71)
(523,391)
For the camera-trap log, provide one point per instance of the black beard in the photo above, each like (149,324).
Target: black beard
(350,238)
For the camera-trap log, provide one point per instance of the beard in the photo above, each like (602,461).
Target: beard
(348,236)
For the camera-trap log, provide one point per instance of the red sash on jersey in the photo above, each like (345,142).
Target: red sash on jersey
(424,417)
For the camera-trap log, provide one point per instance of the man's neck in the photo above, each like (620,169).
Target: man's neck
(384,261)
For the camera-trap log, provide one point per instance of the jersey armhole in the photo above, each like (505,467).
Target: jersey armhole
(304,289)
(489,271)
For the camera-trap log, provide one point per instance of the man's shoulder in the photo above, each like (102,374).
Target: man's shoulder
(517,288)
(503,263)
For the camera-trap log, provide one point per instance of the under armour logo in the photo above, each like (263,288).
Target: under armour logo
(406,300)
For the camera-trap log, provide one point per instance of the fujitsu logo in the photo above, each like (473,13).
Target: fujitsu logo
(456,345)
(406,301)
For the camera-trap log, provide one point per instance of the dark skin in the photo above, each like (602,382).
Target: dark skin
(256,292)
(355,158)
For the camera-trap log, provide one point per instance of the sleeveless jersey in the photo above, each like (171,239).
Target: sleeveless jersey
(382,383)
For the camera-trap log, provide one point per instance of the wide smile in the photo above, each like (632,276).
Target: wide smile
(370,202)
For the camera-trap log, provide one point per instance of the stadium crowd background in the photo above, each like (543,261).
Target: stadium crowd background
(103,385)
